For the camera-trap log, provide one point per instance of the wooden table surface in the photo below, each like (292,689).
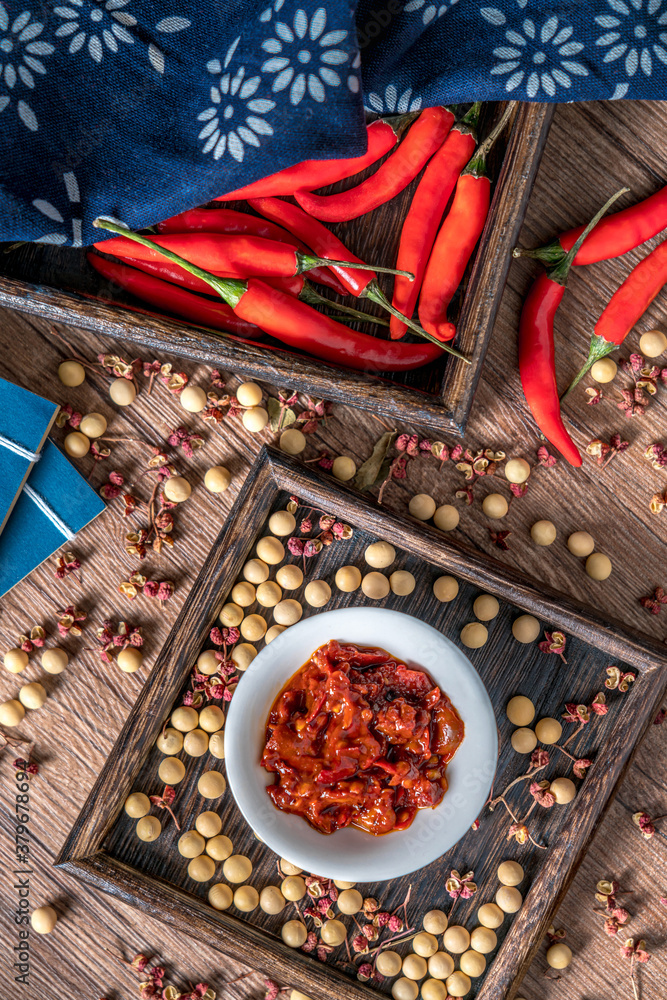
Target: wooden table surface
(593,149)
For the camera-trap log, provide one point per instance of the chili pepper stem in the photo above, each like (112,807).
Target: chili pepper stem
(477,164)
(231,290)
(559,271)
(306,262)
(375,294)
(471,117)
(346,318)
(599,348)
(313,298)
(398,124)
(552,253)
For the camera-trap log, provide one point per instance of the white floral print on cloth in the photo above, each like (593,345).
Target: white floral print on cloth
(268,13)
(353,81)
(98,27)
(21,62)
(535,55)
(391,102)
(95,25)
(235,119)
(303,55)
(70,216)
(428,11)
(165,26)
(629,40)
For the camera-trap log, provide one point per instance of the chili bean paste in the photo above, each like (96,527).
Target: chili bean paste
(357,738)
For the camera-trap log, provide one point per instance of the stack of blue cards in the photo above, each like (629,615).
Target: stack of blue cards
(25,421)
(44,501)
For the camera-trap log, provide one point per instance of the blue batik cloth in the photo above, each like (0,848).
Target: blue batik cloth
(139,110)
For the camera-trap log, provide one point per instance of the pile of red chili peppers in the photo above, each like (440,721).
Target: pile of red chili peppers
(255,263)
(603,239)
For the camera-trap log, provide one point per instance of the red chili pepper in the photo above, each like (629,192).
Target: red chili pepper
(323,242)
(626,306)
(536,347)
(169,298)
(457,239)
(226,220)
(453,249)
(222,220)
(320,239)
(297,286)
(240,256)
(166,271)
(177,276)
(537,364)
(297,324)
(424,138)
(382,135)
(632,299)
(426,210)
(612,237)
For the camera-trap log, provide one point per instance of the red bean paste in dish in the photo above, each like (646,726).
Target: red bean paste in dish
(357,738)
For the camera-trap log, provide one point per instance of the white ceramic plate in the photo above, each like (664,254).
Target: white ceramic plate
(350,854)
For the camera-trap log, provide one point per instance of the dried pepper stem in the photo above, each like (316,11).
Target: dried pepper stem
(501,798)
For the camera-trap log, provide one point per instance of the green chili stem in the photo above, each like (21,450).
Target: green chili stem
(375,294)
(599,348)
(471,117)
(313,298)
(398,124)
(560,270)
(477,163)
(231,290)
(306,261)
(553,254)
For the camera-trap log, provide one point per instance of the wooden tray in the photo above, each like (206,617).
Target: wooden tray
(103,850)
(57,284)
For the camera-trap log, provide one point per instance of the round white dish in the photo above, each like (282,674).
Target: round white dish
(350,854)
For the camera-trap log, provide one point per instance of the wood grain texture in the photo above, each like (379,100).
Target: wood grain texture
(227,934)
(592,150)
(32,278)
(104,848)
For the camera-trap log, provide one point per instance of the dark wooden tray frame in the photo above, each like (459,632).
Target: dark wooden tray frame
(443,411)
(83,856)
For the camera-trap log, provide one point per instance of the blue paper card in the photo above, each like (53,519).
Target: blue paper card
(54,504)
(25,421)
